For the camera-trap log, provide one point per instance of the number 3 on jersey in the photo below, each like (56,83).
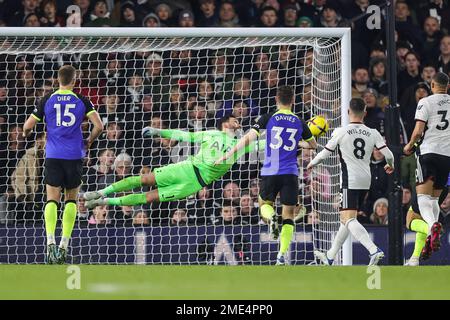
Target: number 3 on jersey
(67,113)
(277,141)
(359,151)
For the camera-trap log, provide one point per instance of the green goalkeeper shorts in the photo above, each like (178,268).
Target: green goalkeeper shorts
(176,181)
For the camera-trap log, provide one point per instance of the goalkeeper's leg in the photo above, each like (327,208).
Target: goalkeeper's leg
(128,200)
(126,184)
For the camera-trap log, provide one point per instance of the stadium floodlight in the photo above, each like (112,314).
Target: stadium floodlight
(212,71)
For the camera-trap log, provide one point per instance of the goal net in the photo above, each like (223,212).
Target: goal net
(175,79)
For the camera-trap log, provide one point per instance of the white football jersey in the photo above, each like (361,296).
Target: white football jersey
(435,112)
(355,143)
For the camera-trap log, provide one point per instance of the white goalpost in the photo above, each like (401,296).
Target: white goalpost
(180,79)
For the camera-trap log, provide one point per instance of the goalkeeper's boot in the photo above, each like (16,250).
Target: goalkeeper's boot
(322,256)
(274,228)
(412,262)
(92,195)
(91,204)
(52,254)
(61,258)
(376,257)
(436,232)
(281,261)
(426,252)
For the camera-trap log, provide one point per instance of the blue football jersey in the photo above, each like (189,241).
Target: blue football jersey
(63,112)
(284,130)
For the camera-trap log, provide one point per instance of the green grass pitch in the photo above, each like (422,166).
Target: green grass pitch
(221,282)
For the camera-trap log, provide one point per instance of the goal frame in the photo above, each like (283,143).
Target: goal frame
(343,33)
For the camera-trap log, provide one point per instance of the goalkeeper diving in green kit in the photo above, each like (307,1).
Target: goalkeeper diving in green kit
(179,180)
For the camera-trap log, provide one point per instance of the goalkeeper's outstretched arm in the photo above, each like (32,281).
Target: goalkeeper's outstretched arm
(249,137)
(178,135)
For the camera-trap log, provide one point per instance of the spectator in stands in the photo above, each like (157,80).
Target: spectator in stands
(205,95)
(151,21)
(102,174)
(375,116)
(31,20)
(228,215)
(134,93)
(100,216)
(360,82)
(411,75)
(18,18)
(436,8)
(4,108)
(26,181)
(248,212)
(444,58)
(267,93)
(433,36)
(128,16)
(408,104)
(378,76)
(140,218)
(202,207)
(186,19)
(208,16)
(241,111)
(241,93)
(227,15)
(231,192)
(85,7)
(177,117)
(313,218)
(290,16)
(269,17)
(254,191)
(123,166)
(403,48)
(330,16)
(287,65)
(113,138)
(406,199)
(220,74)
(428,72)
(82,210)
(380,212)
(404,26)
(179,218)
(156,82)
(377,52)
(165,14)
(111,110)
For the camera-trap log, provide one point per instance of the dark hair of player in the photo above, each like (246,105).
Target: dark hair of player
(285,95)
(66,74)
(441,79)
(223,120)
(357,106)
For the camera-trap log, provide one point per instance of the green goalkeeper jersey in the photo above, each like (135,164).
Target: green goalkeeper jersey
(213,145)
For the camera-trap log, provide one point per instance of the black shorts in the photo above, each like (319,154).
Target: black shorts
(285,184)
(435,167)
(63,173)
(352,199)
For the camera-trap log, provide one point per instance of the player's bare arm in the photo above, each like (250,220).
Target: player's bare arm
(29,125)
(97,130)
(417,134)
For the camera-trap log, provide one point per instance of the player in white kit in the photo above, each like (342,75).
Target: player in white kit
(433,155)
(354,143)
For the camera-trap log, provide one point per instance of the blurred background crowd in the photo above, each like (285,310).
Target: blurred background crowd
(191,89)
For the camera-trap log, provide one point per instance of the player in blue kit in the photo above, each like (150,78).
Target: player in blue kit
(63,112)
(279,175)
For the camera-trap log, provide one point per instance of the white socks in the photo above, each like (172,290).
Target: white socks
(427,208)
(338,241)
(361,234)
(436,209)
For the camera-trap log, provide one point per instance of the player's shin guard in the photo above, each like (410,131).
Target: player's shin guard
(123,185)
(361,234)
(426,209)
(338,241)
(69,216)
(267,211)
(50,216)
(287,231)
(421,238)
(129,200)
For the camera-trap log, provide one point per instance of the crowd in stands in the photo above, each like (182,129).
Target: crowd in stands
(191,89)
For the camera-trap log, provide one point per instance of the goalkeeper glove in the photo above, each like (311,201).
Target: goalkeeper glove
(148,132)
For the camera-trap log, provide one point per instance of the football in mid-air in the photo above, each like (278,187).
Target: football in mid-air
(318,126)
